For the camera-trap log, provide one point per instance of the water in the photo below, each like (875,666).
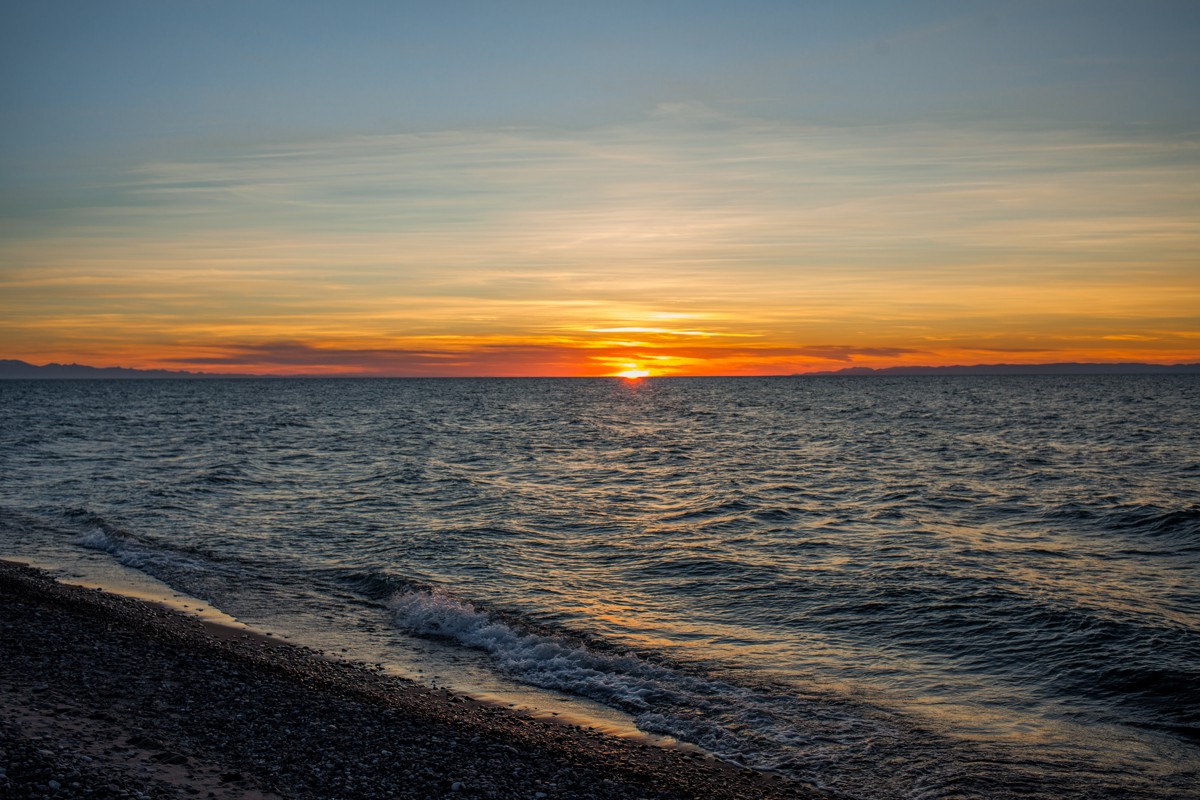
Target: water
(886,587)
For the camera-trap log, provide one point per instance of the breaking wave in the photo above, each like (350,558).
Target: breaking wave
(830,742)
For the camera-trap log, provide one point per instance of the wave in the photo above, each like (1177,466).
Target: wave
(192,573)
(133,553)
(1179,523)
(375,586)
(1177,527)
(820,735)
(624,681)
(830,742)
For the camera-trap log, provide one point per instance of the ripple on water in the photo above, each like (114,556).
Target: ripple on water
(987,584)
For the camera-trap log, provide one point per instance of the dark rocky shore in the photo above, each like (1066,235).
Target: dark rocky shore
(103,696)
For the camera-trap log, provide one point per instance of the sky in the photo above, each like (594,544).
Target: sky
(576,189)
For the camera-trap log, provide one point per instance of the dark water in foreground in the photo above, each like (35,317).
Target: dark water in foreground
(888,587)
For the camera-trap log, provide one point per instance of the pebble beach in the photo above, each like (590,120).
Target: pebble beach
(107,696)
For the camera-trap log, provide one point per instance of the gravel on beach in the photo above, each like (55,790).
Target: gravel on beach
(104,696)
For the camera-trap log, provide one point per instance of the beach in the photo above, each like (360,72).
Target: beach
(107,696)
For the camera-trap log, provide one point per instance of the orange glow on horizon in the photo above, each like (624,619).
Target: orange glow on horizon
(446,253)
(567,354)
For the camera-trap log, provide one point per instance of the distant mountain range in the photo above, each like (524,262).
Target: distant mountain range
(1069,368)
(12,368)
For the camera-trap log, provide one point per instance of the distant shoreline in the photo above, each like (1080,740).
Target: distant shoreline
(1061,368)
(13,369)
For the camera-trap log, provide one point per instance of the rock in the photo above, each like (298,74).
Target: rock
(167,757)
(300,727)
(145,742)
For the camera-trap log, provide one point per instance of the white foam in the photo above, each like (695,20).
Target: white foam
(548,662)
(732,721)
(97,539)
(174,569)
(133,554)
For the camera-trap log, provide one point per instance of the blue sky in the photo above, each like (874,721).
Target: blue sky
(93,76)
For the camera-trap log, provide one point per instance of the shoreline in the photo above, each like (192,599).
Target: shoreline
(546,705)
(108,696)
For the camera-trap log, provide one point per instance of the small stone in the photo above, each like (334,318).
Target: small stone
(456,786)
(145,742)
(167,757)
(54,785)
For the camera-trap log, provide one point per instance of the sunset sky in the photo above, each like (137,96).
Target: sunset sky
(562,188)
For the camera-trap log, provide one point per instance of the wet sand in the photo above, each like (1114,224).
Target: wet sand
(109,697)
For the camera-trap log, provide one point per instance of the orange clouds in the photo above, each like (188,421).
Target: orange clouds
(580,357)
(675,245)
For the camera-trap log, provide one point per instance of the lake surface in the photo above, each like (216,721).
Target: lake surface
(910,587)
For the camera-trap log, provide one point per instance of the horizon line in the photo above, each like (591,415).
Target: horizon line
(7,366)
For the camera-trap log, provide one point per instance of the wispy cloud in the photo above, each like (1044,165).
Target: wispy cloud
(689,225)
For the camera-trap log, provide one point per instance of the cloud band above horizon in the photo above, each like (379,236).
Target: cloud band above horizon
(691,242)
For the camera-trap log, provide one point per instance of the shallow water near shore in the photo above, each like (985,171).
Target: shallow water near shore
(908,587)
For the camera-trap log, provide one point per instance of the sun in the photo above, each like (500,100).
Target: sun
(632,374)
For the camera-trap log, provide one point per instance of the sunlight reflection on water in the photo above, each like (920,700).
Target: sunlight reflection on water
(888,564)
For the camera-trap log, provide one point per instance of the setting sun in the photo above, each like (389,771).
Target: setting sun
(632,374)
